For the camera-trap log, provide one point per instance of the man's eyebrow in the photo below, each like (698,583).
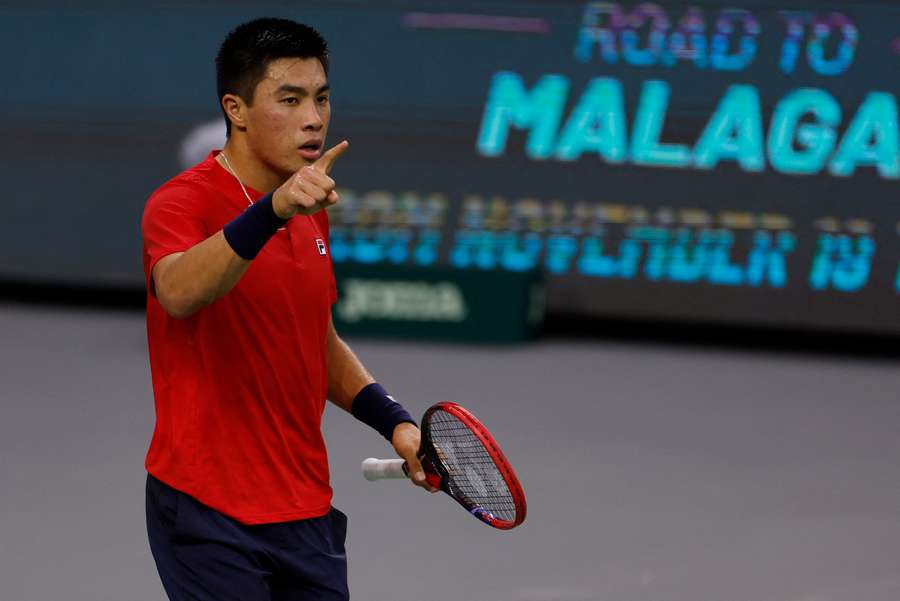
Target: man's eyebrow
(300,91)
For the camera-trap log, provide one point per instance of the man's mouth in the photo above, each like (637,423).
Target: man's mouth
(311,150)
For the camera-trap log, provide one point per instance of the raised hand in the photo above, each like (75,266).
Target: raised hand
(310,189)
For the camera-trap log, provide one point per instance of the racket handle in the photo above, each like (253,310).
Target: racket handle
(381,469)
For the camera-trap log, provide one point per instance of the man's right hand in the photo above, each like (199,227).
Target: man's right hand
(309,189)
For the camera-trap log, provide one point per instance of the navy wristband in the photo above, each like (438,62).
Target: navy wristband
(247,233)
(374,407)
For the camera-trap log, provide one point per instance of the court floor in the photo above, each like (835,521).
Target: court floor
(653,472)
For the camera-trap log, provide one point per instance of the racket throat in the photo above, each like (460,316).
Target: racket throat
(431,475)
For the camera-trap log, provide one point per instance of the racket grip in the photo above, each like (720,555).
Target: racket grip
(381,469)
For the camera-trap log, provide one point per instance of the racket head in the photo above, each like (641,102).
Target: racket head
(472,468)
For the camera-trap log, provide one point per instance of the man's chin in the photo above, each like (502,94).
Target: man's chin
(299,162)
(289,168)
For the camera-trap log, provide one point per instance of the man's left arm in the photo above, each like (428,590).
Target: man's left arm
(352,388)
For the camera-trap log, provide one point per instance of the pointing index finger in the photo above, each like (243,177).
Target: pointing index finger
(326,161)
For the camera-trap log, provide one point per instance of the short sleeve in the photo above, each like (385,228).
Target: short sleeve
(172,222)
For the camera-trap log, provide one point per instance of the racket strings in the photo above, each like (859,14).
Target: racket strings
(474,477)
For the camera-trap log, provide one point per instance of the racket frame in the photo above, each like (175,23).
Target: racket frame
(428,451)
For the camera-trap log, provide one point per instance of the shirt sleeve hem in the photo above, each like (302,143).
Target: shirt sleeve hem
(151,287)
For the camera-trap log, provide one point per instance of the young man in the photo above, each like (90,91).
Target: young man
(243,352)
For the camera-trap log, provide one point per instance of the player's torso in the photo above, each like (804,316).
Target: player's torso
(292,272)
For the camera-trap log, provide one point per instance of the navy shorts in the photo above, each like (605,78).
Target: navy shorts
(203,555)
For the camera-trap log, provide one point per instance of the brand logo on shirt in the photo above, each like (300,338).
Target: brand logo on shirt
(320,244)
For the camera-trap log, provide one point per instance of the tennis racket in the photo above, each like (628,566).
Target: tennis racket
(461,458)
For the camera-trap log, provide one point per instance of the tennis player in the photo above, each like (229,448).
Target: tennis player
(243,352)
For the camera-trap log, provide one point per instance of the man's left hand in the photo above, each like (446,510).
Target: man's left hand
(406,440)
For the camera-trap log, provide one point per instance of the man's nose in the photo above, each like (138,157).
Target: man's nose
(312,118)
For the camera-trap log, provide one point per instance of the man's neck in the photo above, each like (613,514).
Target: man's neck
(251,172)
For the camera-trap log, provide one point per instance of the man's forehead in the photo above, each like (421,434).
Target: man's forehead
(301,72)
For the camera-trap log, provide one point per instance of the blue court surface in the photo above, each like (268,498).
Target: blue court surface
(653,472)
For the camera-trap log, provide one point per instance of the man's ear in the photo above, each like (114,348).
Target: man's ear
(236,110)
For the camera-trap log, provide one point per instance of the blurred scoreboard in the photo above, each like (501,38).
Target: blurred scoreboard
(717,161)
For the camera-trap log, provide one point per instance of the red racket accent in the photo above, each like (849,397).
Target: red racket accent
(431,476)
(502,465)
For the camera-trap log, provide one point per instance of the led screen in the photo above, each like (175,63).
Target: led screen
(718,161)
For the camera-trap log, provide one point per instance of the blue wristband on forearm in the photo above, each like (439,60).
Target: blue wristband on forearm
(247,233)
(373,406)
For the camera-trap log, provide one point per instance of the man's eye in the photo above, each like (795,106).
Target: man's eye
(290,100)
(323,99)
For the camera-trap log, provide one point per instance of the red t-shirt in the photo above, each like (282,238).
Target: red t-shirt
(240,386)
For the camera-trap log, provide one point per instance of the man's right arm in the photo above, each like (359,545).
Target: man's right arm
(185,282)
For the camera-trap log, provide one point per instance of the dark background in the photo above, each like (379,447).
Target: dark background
(103,101)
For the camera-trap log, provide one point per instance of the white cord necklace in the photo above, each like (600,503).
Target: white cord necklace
(234,173)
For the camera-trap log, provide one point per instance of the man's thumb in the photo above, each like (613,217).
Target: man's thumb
(415,470)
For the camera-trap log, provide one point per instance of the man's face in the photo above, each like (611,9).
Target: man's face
(288,120)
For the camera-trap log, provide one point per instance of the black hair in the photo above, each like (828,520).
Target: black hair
(247,51)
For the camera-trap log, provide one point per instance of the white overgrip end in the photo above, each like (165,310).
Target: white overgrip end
(383,469)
